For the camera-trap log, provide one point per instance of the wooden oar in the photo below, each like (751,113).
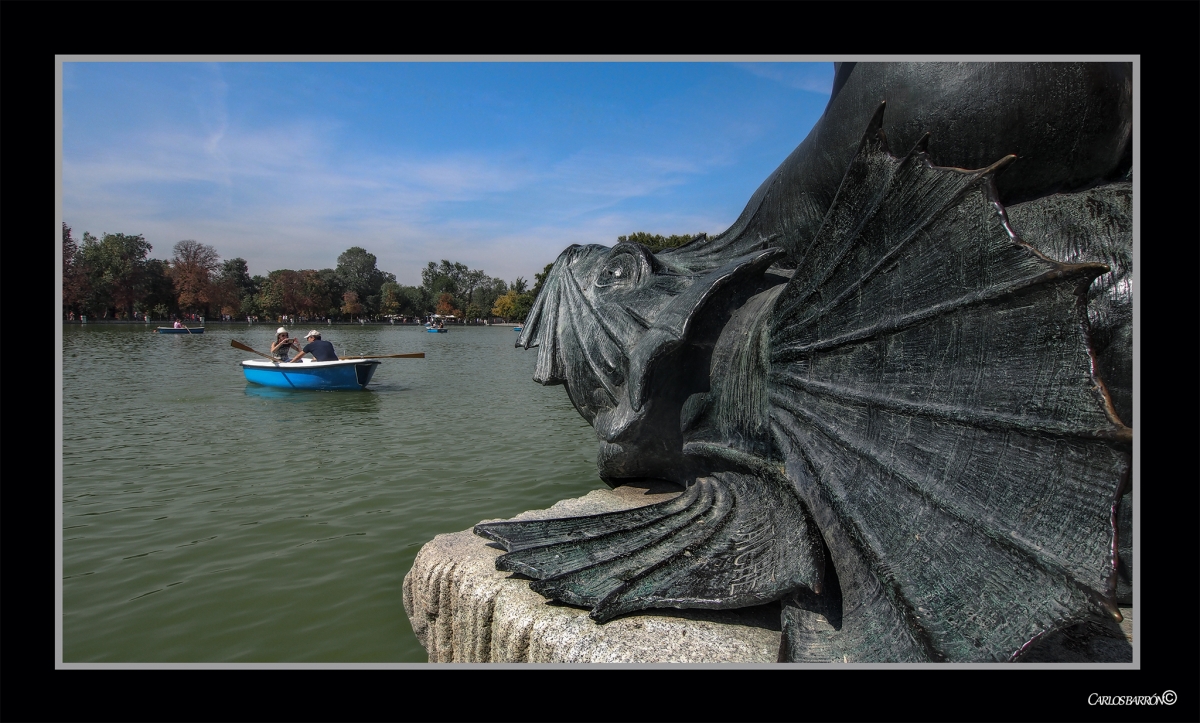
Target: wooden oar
(417,355)
(239,345)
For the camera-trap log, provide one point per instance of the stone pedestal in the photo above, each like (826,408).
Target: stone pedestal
(465,611)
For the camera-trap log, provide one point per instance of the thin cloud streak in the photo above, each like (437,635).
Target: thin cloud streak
(290,189)
(801,76)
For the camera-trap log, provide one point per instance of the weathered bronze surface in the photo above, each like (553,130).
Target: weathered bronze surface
(898,392)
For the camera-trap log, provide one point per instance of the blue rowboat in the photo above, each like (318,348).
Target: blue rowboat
(436,331)
(309,374)
(517,328)
(172,330)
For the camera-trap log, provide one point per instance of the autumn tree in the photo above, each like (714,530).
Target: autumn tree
(351,304)
(192,269)
(282,293)
(445,306)
(506,306)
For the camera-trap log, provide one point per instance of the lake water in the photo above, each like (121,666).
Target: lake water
(207,519)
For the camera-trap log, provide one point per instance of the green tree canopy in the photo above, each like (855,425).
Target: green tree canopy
(445,278)
(358,272)
(335,287)
(400,300)
(539,280)
(238,273)
(232,286)
(418,302)
(75,287)
(658,242)
(159,292)
(115,267)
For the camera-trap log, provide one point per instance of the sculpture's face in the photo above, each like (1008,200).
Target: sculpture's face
(605,319)
(597,303)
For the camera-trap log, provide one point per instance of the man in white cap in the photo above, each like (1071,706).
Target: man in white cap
(321,350)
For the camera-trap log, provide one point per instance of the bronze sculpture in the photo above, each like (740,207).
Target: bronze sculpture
(898,394)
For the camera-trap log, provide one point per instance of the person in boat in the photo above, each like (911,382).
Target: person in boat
(178,325)
(283,343)
(321,350)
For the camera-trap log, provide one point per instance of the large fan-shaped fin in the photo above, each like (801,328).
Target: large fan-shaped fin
(729,540)
(931,388)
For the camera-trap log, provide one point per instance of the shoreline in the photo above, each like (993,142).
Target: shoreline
(315,324)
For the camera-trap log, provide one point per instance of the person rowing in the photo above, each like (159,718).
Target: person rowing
(321,350)
(283,343)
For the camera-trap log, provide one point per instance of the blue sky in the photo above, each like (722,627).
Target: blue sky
(497,165)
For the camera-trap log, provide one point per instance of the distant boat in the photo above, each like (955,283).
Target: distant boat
(309,374)
(185,330)
(517,328)
(432,330)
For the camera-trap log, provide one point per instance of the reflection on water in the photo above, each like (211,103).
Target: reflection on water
(346,399)
(206,518)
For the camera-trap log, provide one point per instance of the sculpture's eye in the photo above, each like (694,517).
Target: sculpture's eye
(620,270)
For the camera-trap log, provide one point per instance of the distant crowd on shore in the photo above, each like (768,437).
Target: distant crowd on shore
(146,318)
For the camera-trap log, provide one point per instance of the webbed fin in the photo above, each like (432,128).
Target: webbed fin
(931,389)
(727,541)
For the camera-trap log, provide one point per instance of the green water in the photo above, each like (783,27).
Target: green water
(207,519)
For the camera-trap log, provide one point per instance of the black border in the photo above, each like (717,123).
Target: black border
(1163,34)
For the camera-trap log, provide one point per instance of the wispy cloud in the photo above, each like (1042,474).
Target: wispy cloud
(291,189)
(813,77)
(264,189)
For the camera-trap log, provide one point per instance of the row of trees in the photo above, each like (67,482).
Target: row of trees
(112,276)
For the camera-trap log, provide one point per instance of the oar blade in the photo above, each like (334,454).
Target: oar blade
(239,345)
